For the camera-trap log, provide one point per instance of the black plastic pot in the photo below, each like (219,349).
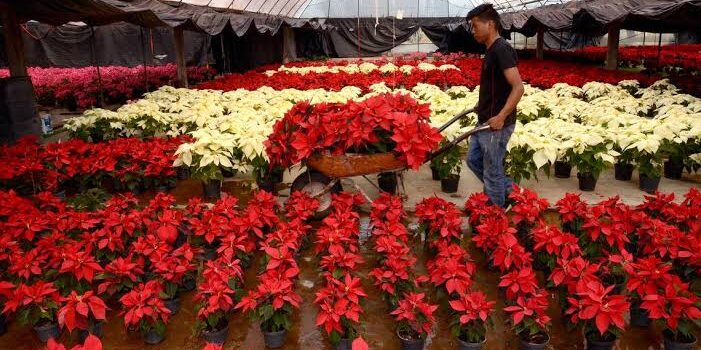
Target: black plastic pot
(587,182)
(212,190)
(387,182)
(183,173)
(267,185)
(599,344)
(94,328)
(152,337)
(344,344)
(649,184)
(227,173)
(639,317)
(173,305)
(527,345)
(673,168)
(672,344)
(450,183)
(209,254)
(623,172)
(434,174)
(463,345)
(47,331)
(189,284)
(275,340)
(411,344)
(3,324)
(216,336)
(562,170)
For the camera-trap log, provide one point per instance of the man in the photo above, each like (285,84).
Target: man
(501,89)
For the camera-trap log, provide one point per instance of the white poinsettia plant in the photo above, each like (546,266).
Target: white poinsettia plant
(208,154)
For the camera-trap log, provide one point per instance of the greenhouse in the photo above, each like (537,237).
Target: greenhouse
(350,175)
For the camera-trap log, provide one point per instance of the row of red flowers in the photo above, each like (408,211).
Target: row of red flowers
(607,257)
(340,297)
(453,269)
(378,124)
(395,276)
(686,56)
(28,167)
(543,74)
(274,300)
(59,265)
(78,87)
(527,302)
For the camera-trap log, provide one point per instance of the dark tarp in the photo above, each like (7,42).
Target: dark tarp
(667,17)
(596,17)
(555,17)
(238,54)
(119,44)
(362,37)
(153,13)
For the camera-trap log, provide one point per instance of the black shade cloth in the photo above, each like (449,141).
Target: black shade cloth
(119,44)
(666,17)
(362,37)
(153,13)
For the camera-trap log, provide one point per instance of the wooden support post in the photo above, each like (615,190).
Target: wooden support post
(180,56)
(612,55)
(540,44)
(13,42)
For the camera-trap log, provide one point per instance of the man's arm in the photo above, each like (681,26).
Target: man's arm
(514,78)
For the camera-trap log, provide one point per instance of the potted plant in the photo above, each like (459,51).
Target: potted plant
(649,159)
(415,318)
(600,312)
(471,318)
(529,319)
(625,163)
(85,312)
(36,305)
(267,176)
(215,299)
(6,291)
(172,268)
(340,310)
(387,182)
(449,165)
(211,152)
(676,150)
(590,162)
(675,309)
(271,304)
(563,169)
(144,310)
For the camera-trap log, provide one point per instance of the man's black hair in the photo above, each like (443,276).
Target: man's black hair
(485,12)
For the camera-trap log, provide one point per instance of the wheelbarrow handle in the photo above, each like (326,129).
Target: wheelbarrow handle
(456,118)
(456,141)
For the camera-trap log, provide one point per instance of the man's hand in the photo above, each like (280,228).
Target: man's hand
(496,122)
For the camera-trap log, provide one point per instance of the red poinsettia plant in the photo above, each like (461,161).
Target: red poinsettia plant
(601,311)
(79,310)
(273,301)
(472,316)
(675,307)
(340,308)
(440,219)
(415,316)
(383,123)
(144,310)
(35,304)
(91,343)
(529,316)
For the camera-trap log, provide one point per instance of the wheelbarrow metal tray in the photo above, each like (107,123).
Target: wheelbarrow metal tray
(351,164)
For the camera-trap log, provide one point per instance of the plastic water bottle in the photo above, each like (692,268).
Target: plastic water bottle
(46,127)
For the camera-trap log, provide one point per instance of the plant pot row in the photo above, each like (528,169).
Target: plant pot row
(622,172)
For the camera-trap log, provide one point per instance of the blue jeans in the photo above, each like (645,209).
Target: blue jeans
(485,158)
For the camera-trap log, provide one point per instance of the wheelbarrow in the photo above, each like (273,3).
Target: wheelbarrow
(325,171)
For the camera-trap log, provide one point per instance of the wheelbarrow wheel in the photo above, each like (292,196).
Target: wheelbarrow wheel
(314,183)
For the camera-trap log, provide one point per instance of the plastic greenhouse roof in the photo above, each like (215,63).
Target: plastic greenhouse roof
(365,8)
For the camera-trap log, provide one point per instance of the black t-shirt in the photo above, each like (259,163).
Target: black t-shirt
(494,88)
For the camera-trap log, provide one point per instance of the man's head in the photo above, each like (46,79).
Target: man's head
(485,21)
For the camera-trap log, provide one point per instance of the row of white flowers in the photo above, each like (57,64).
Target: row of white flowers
(554,124)
(365,68)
